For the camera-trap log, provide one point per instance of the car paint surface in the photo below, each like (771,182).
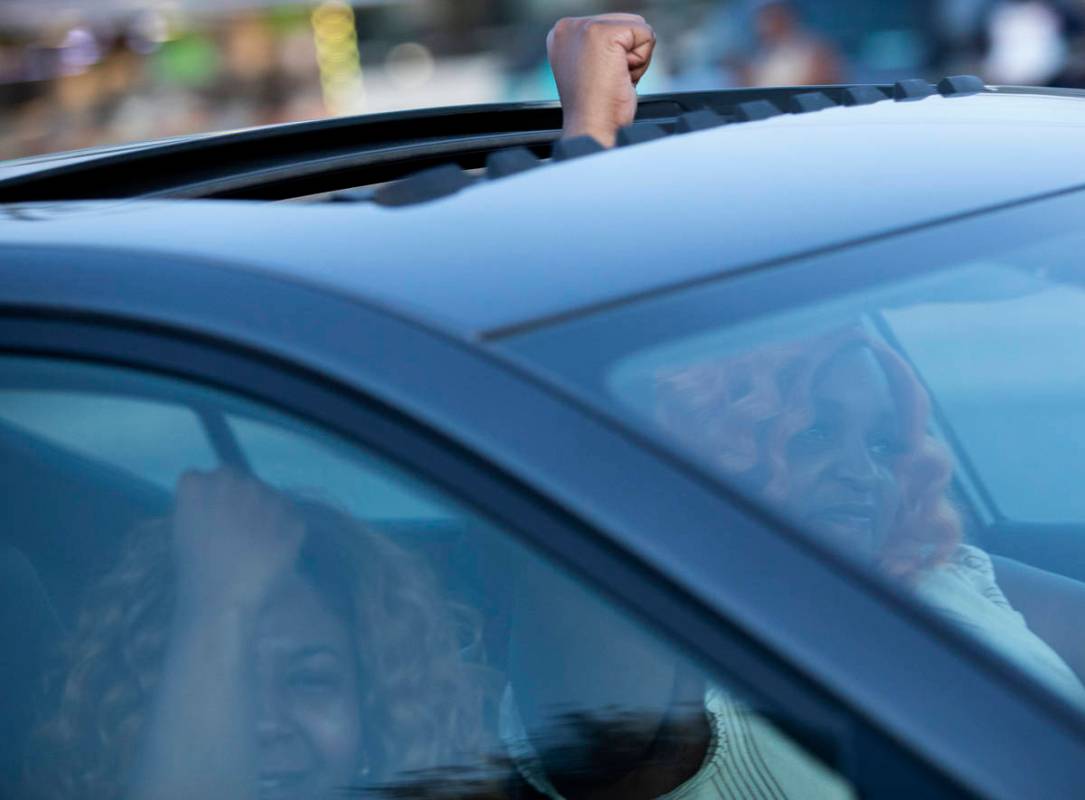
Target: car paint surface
(629,221)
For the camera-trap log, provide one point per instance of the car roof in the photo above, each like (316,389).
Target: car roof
(596,230)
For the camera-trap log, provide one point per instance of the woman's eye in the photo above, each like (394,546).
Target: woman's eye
(886,448)
(816,433)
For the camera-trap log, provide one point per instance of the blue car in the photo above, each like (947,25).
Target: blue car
(427,455)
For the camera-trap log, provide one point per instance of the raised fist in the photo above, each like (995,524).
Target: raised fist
(597,62)
(233,537)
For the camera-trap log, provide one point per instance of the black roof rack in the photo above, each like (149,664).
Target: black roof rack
(299,159)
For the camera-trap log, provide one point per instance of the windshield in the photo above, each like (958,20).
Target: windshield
(915,405)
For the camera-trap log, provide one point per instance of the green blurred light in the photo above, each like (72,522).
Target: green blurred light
(190,61)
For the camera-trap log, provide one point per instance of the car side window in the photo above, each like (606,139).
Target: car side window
(314,619)
(159,441)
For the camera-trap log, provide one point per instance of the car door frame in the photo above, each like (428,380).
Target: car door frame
(415,394)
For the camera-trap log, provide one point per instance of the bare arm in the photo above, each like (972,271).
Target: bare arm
(597,62)
(197,739)
(232,538)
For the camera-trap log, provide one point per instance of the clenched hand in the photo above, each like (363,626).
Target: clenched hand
(233,536)
(597,62)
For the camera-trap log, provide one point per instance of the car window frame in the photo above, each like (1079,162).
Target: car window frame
(789,282)
(579,551)
(326,381)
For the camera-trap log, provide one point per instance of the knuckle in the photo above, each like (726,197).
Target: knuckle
(563,26)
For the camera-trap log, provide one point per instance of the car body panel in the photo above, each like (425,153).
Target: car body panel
(665,213)
(379,304)
(701,542)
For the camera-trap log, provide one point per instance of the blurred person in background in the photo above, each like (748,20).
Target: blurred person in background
(788,54)
(252,88)
(89,82)
(1026,42)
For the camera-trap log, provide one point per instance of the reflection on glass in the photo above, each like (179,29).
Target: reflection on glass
(259,645)
(597,708)
(245,640)
(157,442)
(832,430)
(255,645)
(1009,377)
(313,462)
(897,425)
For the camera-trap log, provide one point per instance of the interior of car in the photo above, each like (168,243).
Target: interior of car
(69,508)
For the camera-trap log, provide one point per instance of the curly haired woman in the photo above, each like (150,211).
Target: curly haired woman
(833,430)
(255,646)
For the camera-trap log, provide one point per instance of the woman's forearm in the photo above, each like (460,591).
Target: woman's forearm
(233,537)
(198,736)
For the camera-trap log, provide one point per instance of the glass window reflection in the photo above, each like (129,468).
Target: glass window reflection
(345,630)
(914,410)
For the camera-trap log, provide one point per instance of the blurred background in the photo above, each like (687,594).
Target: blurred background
(80,73)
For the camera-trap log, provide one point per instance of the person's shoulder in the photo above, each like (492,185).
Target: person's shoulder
(974,565)
(972,558)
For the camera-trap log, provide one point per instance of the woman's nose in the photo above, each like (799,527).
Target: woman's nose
(855,465)
(272,714)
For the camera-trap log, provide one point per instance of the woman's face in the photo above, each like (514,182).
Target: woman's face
(307,706)
(841,481)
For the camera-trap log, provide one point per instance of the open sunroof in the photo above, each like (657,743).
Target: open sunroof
(299,159)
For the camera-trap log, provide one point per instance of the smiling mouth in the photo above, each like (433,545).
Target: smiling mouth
(280,784)
(858,518)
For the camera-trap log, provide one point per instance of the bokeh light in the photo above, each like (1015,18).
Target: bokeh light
(337,54)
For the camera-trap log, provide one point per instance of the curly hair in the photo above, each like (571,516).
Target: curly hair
(741,412)
(420,703)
